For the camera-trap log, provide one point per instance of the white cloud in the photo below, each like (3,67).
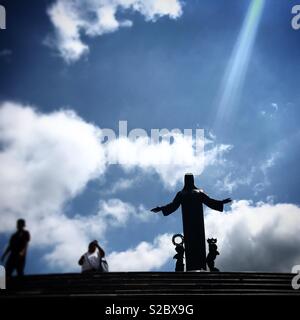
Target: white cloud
(117,213)
(233,180)
(265,167)
(68,24)
(269,162)
(64,239)
(145,256)
(121,185)
(169,161)
(68,237)
(73,19)
(153,9)
(270,110)
(251,237)
(46,160)
(256,175)
(55,155)
(256,237)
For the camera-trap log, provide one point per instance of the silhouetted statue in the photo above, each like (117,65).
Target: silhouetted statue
(17,250)
(179,256)
(94,259)
(191,199)
(212,254)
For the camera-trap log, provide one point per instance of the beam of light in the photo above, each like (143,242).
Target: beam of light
(238,64)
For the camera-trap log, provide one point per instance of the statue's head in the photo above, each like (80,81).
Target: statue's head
(189,182)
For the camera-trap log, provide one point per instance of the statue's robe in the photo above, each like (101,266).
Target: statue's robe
(191,202)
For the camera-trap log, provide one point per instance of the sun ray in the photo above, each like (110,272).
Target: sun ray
(234,77)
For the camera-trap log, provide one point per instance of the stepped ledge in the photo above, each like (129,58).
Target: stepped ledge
(144,285)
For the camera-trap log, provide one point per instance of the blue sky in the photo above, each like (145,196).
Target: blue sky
(161,72)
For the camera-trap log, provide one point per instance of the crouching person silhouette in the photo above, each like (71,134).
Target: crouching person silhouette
(191,200)
(94,259)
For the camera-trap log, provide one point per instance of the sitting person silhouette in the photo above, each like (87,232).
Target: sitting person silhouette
(17,250)
(212,254)
(93,259)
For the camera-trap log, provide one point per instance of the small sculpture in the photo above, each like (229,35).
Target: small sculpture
(212,254)
(179,256)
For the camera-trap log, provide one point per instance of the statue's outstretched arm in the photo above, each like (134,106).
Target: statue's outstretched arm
(170,207)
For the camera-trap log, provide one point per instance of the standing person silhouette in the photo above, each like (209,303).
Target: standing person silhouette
(17,250)
(191,200)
